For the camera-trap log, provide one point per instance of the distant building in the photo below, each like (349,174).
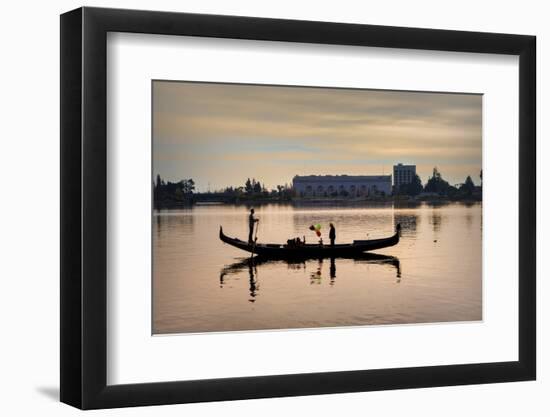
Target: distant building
(341,185)
(403,174)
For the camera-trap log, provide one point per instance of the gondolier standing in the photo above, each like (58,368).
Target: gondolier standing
(332,234)
(251,221)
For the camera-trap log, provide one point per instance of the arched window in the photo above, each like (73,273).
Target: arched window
(342,191)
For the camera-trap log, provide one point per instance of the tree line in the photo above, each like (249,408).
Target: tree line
(253,189)
(173,192)
(184,192)
(437,185)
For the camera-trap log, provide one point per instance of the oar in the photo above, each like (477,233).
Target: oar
(255,239)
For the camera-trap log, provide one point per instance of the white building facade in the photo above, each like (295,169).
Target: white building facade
(403,174)
(342,185)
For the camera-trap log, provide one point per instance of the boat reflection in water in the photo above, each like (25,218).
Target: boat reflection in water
(438,260)
(252,264)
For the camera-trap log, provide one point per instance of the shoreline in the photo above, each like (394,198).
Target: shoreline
(399,202)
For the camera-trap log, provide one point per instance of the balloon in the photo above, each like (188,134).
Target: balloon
(316,228)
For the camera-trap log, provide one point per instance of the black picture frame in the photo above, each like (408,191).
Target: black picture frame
(84,207)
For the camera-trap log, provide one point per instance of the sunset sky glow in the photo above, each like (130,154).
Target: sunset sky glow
(222,134)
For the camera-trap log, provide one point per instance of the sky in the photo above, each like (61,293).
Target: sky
(221,134)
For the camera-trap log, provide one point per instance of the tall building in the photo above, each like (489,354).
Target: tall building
(403,174)
(341,185)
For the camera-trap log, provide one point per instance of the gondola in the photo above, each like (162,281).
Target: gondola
(287,251)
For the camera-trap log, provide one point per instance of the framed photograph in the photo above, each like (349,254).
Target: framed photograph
(257,208)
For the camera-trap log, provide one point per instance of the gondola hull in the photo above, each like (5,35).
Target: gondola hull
(282,251)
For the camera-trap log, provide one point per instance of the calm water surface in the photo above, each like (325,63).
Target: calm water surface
(201,284)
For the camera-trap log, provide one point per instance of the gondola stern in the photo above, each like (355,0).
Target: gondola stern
(223,238)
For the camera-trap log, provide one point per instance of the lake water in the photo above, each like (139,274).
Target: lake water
(200,284)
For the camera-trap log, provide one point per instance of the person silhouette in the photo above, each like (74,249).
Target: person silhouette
(332,234)
(251,221)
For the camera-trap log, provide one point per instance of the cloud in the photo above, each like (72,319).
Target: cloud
(244,126)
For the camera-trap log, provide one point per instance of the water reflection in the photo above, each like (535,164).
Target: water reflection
(469,220)
(437,264)
(435,220)
(158,219)
(373,258)
(166,222)
(317,276)
(251,265)
(252,276)
(332,271)
(409,222)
